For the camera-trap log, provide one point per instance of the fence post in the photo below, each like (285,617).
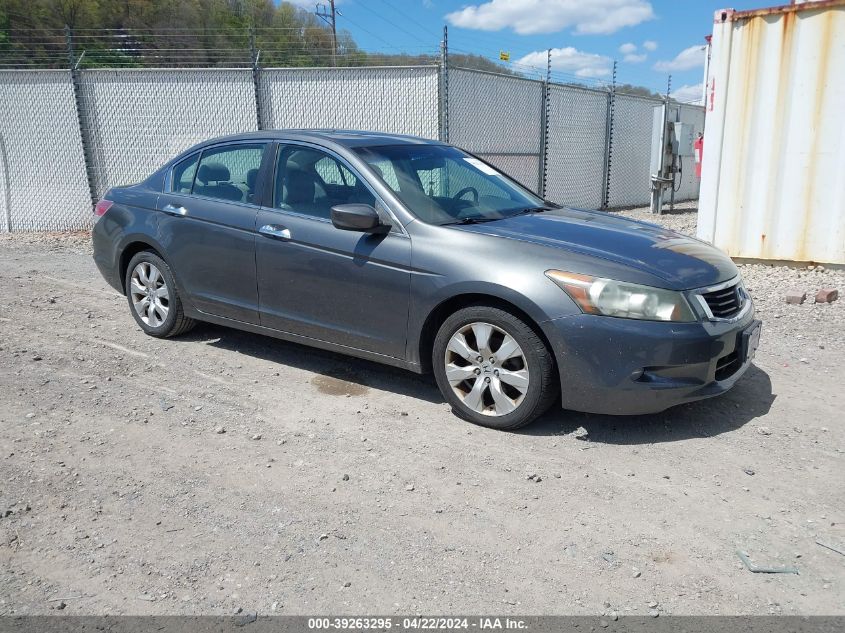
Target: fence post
(254,55)
(6,184)
(608,141)
(87,156)
(444,86)
(544,127)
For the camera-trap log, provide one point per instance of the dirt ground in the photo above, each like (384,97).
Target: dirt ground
(224,471)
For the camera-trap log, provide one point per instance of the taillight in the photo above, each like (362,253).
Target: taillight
(101,207)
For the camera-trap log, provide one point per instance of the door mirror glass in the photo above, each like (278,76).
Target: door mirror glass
(358,217)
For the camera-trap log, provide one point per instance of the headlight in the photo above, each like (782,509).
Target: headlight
(596,295)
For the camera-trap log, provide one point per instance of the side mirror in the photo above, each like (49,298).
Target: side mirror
(358,217)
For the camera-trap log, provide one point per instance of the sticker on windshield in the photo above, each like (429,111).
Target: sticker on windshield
(485,168)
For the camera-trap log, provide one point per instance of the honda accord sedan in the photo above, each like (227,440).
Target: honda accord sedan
(416,254)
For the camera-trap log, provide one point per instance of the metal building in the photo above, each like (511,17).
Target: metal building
(773,173)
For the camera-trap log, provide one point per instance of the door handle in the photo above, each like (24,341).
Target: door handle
(276,231)
(172,209)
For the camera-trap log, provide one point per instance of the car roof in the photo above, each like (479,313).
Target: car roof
(345,138)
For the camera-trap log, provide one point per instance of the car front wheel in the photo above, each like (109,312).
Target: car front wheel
(153,298)
(493,368)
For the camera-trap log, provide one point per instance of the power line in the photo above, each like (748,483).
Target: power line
(391,22)
(436,35)
(370,33)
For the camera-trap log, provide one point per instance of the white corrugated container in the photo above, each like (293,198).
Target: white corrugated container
(773,172)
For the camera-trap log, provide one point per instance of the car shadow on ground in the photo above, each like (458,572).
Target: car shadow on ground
(339,369)
(751,398)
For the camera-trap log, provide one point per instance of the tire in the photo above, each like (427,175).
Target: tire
(149,277)
(531,385)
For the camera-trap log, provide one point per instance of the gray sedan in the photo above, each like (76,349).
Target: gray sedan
(415,254)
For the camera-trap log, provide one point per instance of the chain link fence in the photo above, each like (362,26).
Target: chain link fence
(66,136)
(497,117)
(577,142)
(134,120)
(631,151)
(398,100)
(43,185)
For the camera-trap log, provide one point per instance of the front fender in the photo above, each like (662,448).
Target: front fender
(428,299)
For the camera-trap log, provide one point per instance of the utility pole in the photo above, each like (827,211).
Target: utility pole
(329,16)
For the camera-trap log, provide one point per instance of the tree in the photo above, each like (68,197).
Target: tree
(72,12)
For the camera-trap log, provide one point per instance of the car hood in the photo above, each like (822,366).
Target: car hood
(682,262)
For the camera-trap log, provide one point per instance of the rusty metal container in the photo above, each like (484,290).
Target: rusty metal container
(773,172)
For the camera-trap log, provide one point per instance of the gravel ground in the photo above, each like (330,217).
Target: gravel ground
(224,470)
(682,219)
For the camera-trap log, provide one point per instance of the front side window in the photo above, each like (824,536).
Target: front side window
(310,181)
(443,185)
(229,172)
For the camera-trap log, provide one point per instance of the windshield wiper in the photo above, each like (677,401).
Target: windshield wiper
(549,206)
(470,221)
(528,210)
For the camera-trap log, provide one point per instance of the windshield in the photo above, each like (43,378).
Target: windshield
(441,184)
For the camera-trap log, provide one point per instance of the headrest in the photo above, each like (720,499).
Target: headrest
(251,177)
(300,186)
(213,172)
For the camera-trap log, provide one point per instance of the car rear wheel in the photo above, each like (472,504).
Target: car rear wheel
(493,368)
(153,298)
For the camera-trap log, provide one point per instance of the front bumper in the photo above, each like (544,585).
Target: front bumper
(599,358)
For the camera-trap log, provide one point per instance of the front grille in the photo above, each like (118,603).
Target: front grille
(724,303)
(727,365)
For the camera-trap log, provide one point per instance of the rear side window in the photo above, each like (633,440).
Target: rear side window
(183,174)
(229,172)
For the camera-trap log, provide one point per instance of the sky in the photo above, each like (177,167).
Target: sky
(649,39)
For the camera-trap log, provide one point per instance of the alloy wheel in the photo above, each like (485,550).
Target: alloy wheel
(150,295)
(486,369)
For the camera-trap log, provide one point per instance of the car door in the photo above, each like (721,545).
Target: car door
(315,280)
(207,227)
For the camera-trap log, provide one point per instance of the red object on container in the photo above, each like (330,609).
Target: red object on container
(698,148)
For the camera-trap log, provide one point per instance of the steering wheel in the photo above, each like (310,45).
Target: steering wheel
(465,190)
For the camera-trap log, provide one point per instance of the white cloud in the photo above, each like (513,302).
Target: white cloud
(687,59)
(549,16)
(628,48)
(634,58)
(571,60)
(650,45)
(688,94)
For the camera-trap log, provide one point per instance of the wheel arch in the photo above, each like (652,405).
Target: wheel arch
(450,305)
(132,248)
